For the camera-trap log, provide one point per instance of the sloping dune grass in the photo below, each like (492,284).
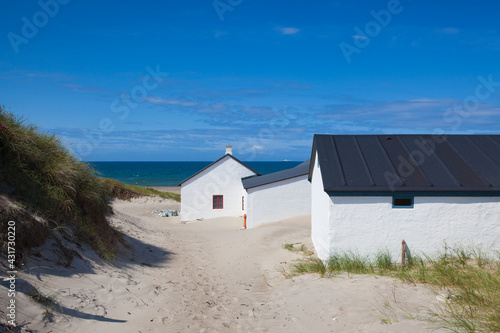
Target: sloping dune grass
(52,184)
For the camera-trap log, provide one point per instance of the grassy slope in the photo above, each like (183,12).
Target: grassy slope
(49,182)
(52,184)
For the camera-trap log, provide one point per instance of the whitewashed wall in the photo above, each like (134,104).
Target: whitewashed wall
(369,224)
(222,178)
(277,201)
(320,214)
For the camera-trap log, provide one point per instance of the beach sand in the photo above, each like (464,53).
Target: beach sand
(206,276)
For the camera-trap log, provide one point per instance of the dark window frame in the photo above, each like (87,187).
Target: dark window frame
(218,202)
(403,202)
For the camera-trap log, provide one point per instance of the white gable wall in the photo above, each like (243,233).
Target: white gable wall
(277,201)
(320,213)
(222,178)
(367,225)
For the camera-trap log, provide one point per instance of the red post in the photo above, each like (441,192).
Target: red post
(245,221)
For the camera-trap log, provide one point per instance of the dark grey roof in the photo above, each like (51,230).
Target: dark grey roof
(208,166)
(299,170)
(409,163)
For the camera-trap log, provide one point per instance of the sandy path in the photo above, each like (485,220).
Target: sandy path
(211,276)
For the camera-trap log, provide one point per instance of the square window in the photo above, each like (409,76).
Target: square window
(218,202)
(402,202)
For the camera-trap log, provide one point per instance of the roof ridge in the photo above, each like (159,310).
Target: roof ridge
(215,162)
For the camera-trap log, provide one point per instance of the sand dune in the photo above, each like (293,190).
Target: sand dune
(206,276)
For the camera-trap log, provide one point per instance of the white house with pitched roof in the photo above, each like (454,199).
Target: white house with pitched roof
(216,190)
(370,192)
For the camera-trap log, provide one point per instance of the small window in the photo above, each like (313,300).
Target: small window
(218,202)
(243,203)
(402,202)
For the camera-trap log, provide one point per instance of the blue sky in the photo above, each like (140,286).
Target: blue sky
(177,80)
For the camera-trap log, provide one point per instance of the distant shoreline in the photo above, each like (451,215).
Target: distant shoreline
(168,174)
(173,189)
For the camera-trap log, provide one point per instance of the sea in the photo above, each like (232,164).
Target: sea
(169,173)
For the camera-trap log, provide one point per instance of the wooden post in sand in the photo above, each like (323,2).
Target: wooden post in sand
(403,253)
(245,221)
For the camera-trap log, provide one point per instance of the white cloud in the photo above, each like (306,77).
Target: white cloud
(410,116)
(257,148)
(289,30)
(359,37)
(169,101)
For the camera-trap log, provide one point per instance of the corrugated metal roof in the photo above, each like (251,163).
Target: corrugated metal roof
(208,166)
(299,170)
(409,163)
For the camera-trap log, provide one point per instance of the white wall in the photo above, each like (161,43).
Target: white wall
(369,224)
(222,178)
(277,201)
(320,213)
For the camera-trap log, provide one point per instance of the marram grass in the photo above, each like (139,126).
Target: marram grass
(49,182)
(52,184)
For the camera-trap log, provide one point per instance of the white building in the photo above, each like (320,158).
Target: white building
(370,192)
(215,191)
(277,196)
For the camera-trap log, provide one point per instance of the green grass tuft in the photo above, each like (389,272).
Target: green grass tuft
(310,265)
(387,313)
(40,298)
(383,261)
(302,248)
(350,262)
